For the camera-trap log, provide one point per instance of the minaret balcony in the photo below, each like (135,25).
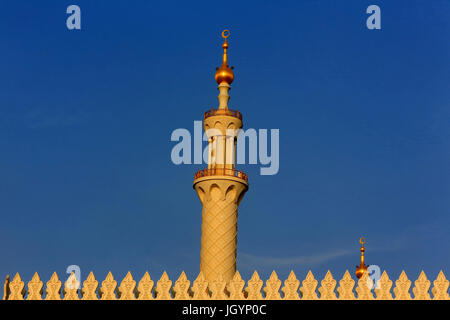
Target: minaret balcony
(221,172)
(223,112)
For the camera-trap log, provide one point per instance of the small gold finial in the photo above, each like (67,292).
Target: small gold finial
(362,267)
(224,73)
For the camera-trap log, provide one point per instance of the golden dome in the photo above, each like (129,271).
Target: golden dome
(224,73)
(360,271)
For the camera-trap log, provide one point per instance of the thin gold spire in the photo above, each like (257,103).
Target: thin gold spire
(362,267)
(225,35)
(224,73)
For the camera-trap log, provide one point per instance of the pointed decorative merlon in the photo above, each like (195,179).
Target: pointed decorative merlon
(290,289)
(236,287)
(144,290)
(71,288)
(363,290)
(181,288)
(402,285)
(218,288)
(440,289)
(17,287)
(346,286)
(272,288)
(200,288)
(254,287)
(35,288)
(308,288)
(326,289)
(422,287)
(90,285)
(384,290)
(108,289)
(53,291)
(163,288)
(126,288)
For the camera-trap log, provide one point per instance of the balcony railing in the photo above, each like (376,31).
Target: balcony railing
(221,172)
(223,112)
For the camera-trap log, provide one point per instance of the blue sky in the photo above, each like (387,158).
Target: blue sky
(86,118)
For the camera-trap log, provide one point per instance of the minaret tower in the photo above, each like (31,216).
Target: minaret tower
(220,187)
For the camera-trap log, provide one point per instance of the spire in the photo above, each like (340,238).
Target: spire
(224,73)
(225,35)
(362,267)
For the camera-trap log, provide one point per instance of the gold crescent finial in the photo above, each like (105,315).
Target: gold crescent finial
(362,240)
(362,268)
(225,33)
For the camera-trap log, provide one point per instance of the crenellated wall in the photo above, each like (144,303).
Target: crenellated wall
(237,289)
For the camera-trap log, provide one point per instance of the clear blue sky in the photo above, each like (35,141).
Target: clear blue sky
(86,118)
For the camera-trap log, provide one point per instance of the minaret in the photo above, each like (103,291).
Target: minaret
(362,268)
(220,187)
